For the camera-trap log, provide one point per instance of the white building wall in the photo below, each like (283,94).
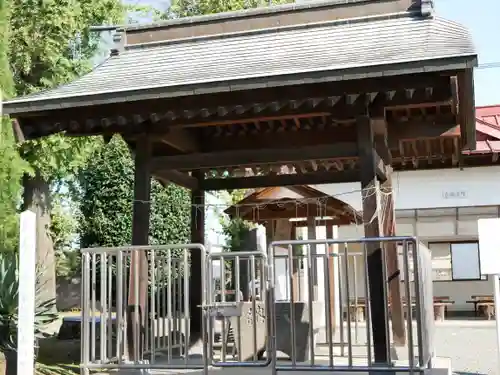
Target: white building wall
(434,205)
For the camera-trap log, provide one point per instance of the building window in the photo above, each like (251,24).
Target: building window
(455,261)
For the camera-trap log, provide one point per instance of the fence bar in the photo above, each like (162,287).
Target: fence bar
(368,309)
(119,307)
(328,304)
(349,333)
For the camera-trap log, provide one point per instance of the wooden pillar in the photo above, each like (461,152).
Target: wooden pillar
(389,229)
(376,266)
(297,288)
(140,236)
(311,235)
(197,236)
(393,272)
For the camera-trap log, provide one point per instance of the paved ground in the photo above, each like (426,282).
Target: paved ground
(470,345)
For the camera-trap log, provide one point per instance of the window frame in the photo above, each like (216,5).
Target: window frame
(450,243)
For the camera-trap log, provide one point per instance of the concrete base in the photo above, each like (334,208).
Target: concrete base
(441,366)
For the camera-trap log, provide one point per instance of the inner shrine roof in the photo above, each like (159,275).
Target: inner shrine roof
(374,46)
(293,202)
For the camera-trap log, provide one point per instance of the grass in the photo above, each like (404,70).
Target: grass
(58,357)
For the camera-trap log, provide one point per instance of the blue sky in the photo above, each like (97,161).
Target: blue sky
(480,16)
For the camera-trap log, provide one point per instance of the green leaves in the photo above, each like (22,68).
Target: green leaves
(187,8)
(51,44)
(105,193)
(9,294)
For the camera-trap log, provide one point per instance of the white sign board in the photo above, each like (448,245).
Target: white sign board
(489,246)
(27,279)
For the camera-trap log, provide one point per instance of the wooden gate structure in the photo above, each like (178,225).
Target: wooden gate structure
(319,92)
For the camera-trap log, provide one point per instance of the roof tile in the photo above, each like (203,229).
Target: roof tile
(332,46)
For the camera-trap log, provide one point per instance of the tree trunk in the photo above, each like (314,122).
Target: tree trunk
(10,362)
(36,198)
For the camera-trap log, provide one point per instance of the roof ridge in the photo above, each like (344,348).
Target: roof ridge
(450,22)
(354,20)
(246,13)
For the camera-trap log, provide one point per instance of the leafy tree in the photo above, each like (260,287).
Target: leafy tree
(105,194)
(106,186)
(50,45)
(11,166)
(63,234)
(187,8)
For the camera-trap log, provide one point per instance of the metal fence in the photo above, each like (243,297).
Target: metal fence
(162,324)
(259,313)
(347,342)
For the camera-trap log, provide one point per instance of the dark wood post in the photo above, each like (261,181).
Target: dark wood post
(376,266)
(140,236)
(311,235)
(197,236)
(331,277)
(389,229)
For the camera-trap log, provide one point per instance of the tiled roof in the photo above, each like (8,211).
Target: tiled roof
(489,114)
(335,50)
(487,123)
(484,147)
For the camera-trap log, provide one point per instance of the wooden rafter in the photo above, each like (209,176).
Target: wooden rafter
(251,157)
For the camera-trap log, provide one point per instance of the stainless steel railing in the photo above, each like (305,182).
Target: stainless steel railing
(161,327)
(244,316)
(338,336)
(317,315)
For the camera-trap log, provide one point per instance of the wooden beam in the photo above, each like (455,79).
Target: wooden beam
(196,271)
(376,265)
(388,225)
(246,119)
(380,167)
(441,126)
(296,92)
(179,178)
(393,271)
(254,157)
(254,182)
(291,211)
(288,139)
(323,222)
(400,130)
(138,276)
(180,139)
(466,108)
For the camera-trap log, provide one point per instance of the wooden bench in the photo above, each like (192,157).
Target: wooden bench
(357,309)
(441,305)
(483,303)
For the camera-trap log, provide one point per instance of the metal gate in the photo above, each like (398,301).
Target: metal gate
(238,311)
(162,326)
(298,322)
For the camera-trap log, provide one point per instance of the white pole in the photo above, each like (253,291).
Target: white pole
(496,288)
(26,315)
